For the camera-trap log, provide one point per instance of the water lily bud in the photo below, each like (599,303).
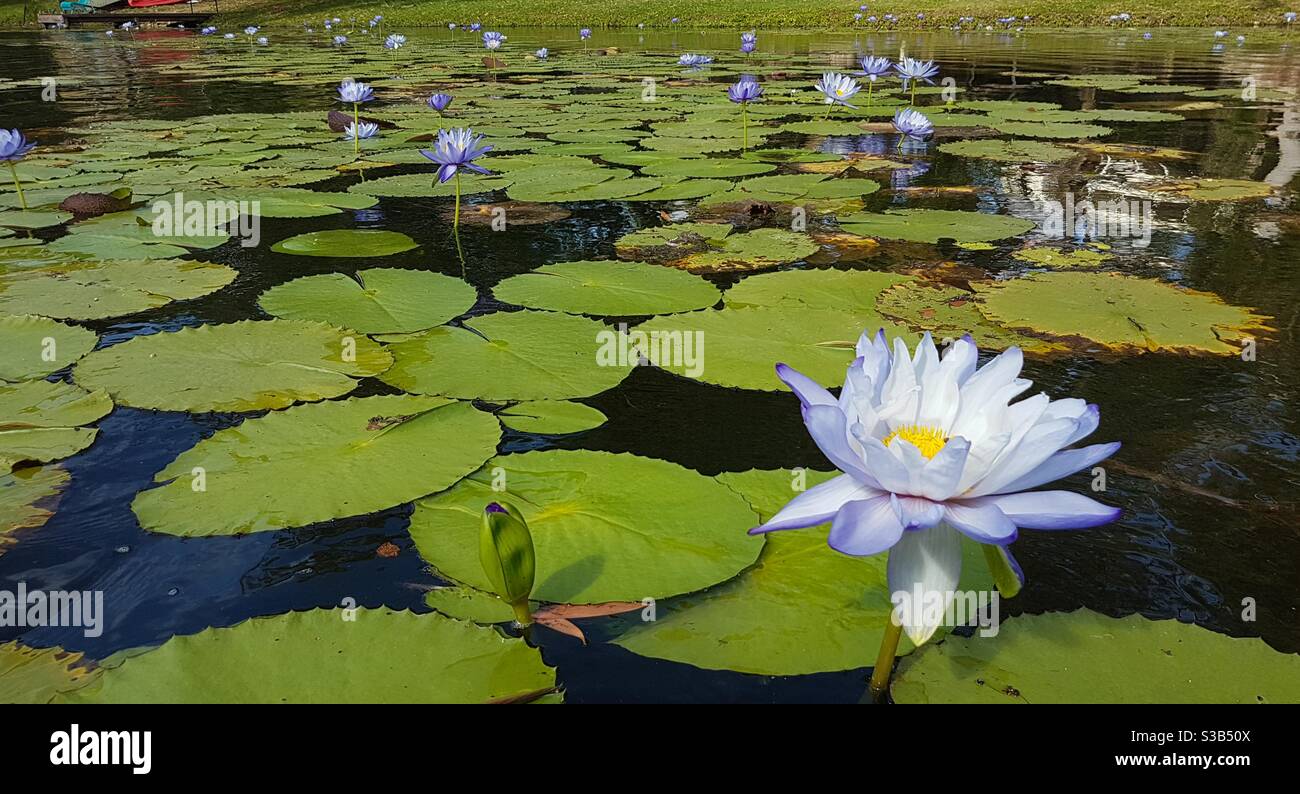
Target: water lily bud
(1002,566)
(505,550)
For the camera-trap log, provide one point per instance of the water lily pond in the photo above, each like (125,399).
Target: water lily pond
(267,445)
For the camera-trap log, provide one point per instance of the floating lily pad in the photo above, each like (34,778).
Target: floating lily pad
(1062,130)
(931,226)
(1208,189)
(318,462)
(329,656)
(950,313)
(427,185)
(843,290)
(756,250)
(802,608)
(39,675)
(1008,151)
(608,288)
(1118,311)
(346,243)
(551,417)
(27,498)
(528,355)
(42,420)
(740,347)
(376,301)
(467,603)
(1084,657)
(33,347)
(33,219)
(243,366)
(99,289)
(1057,259)
(593,542)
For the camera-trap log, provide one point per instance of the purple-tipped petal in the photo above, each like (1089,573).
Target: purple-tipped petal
(915,513)
(982,522)
(446,172)
(817,505)
(1061,464)
(1052,510)
(808,391)
(865,527)
(825,424)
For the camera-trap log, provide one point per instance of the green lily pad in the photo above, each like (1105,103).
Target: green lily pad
(802,608)
(1008,151)
(467,603)
(427,185)
(376,301)
(98,289)
(740,347)
(552,417)
(1119,311)
(1084,657)
(42,420)
(756,250)
(242,366)
(527,355)
(329,656)
(346,243)
(713,168)
(301,466)
(27,498)
(931,226)
(39,675)
(950,313)
(33,347)
(594,543)
(608,288)
(1057,259)
(1209,189)
(33,219)
(842,290)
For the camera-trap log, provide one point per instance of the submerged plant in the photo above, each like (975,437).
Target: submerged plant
(931,448)
(14,146)
(456,149)
(746,90)
(505,551)
(350,91)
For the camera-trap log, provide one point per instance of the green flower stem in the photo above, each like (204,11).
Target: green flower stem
(884,668)
(356,129)
(522,614)
(871,85)
(455,222)
(22,200)
(744,127)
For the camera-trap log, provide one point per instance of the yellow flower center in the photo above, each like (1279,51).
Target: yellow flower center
(926,438)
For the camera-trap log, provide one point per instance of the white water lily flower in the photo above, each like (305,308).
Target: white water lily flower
(931,447)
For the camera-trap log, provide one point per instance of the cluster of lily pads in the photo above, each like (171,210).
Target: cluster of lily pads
(726,262)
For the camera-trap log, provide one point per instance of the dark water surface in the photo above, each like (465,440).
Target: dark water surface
(1207,475)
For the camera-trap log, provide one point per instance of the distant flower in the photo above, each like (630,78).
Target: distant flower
(675,20)
(227,36)
(208,31)
(439,102)
(584,34)
(1218,34)
(394,41)
(746,90)
(451,26)
(875,67)
(492,40)
(1146,36)
(262,40)
(748,42)
(475,27)
(838,88)
(542,53)
(857,17)
(1288,17)
(363,129)
(250,30)
(1241,39)
(913,124)
(457,148)
(110,33)
(340,40)
(873,19)
(14,146)
(352,91)
(694,61)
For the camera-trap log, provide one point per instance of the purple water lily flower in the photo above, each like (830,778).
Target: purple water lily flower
(355,93)
(394,41)
(14,146)
(693,61)
(542,54)
(475,27)
(748,42)
(910,69)
(913,124)
(439,102)
(875,67)
(838,88)
(492,40)
(746,89)
(457,148)
(340,40)
(584,34)
(362,130)
(1289,17)
(932,448)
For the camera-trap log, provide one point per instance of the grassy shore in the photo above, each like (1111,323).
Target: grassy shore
(732,14)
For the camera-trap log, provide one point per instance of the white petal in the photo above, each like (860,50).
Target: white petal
(825,424)
(887,469)
(1040,443)
(1061,464)
(805,388)
(930,558)
(865,527)
(942,474)
(981,521)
